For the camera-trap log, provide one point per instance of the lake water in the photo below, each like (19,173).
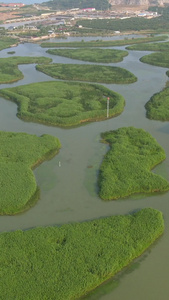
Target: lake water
(69,187)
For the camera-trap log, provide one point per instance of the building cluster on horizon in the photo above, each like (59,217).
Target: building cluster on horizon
(88,9)
(12,4)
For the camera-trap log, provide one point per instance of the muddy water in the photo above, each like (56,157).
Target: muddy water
(68,183)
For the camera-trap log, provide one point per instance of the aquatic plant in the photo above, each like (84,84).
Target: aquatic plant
(157,108)
(150,47)
(102,43)
(64,103)
(9,71)
(97,55)
(68,261)
(90,73)
(7,42)
(19,153)
(160,59)
(126,167)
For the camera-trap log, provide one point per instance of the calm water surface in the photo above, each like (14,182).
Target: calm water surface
(69,191)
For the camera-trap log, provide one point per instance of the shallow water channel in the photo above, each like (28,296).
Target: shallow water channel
(68,182)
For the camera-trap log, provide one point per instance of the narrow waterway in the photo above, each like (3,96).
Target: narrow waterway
(68,182)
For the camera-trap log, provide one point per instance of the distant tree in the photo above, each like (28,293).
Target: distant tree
(69,4)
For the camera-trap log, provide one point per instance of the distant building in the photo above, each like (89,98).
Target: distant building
(11,27)
(12,4)
(77,8)
(89,9)
(142,14)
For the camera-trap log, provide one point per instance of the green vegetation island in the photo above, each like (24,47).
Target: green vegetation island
(90,73)
(20,153)
(64,104)
(126,168)
(7,42)
(150,47)
(160,59)
(9,71)
(157,108)
(93,55)
(69,261)
(11,52)
(102,43)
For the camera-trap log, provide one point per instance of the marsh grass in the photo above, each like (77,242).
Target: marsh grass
(150,47)
(11,52)
(160,59)
(19,154)
(90,73)
(9,71)
(7,42)
(64,104)
(126,168)
(93,55)
(157,108)
(67,262)
(101,43)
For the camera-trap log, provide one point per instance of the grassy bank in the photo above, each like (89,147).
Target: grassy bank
(125,169)
(90,73)
(68,261)
(64,103)
(101,43)
(9,71)
(150,47)
(157,108)
(20,152)
(7,42)
(160,59)
(93,55)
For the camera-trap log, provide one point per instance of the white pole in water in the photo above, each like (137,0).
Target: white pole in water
(108,106)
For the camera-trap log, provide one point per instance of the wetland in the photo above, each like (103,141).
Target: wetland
(69,187)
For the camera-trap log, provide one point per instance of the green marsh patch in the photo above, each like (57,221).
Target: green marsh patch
(64,103)
(160,59)
(157,108)
(102,43)
(19,153)
(90,73)
(150,47)
(7,42)
(67,262)
(9,71)
(93,55)
(11,52)
(126,168)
